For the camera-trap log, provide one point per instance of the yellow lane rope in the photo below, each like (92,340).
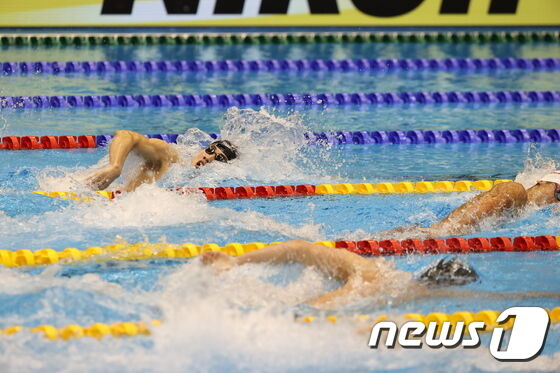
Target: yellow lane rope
(131,329)
(487,316)
(135,251)
(344,188)
(97,330)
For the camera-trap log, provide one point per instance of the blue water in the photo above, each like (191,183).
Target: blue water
(357,118)
(240,320)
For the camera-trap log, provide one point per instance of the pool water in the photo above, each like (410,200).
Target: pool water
(243,320)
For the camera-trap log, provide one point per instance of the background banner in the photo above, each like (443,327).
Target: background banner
(44,13)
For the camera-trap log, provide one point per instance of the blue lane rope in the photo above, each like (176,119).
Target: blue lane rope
(279,99)
(447,64)
(539,135)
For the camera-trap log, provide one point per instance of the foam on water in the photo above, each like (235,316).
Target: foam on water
(147,208)
(271,150)
(151,206)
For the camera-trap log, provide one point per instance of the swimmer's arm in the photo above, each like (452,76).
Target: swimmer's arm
(494,202)
(152,150)
(332,262)
(336,263)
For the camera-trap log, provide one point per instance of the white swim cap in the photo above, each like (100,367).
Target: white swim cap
(553,177)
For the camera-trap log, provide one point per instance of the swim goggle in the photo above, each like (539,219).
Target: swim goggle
(557,192)
(211,149)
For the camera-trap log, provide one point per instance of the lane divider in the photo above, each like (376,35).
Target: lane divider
(132,329)
(489,318)
(376,64)
(412,137)
(149,251)
(269,191)
(81,39)
(278,99)
(97,330)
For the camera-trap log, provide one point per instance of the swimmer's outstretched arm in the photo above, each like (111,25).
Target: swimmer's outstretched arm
(464,219)
(332,262)
(336,263)
(494,202)
(158,155)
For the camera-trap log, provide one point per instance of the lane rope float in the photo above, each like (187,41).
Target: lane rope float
(83,39)
(376,64)
(489,318)
(132,329)
(278,99)
(149,251)
(97,330)
(411,137)
(269,191)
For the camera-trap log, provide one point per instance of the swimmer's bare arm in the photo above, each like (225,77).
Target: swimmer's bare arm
(158,156)
(336,263)
(495,202)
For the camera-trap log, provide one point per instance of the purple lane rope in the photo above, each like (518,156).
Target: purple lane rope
(279,99)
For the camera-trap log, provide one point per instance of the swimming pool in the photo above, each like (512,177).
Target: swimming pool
(240,320)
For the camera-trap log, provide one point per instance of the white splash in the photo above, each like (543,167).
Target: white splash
(535,168)
(270,151)
(270,147)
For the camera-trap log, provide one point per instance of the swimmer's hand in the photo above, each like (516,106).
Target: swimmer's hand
(103,178)
(218,260)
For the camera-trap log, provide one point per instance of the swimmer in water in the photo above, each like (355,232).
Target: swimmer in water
(503,199)
(364,278)
(157,155)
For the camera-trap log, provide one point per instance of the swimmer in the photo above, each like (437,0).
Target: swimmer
(157,155)
(503,199)
(361,277)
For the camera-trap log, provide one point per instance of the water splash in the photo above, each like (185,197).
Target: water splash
(250,129)
(150,206)
(149,213)
(271,150)
(536,166)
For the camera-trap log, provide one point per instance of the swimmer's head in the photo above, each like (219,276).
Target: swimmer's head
(221,151)
(449,273)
